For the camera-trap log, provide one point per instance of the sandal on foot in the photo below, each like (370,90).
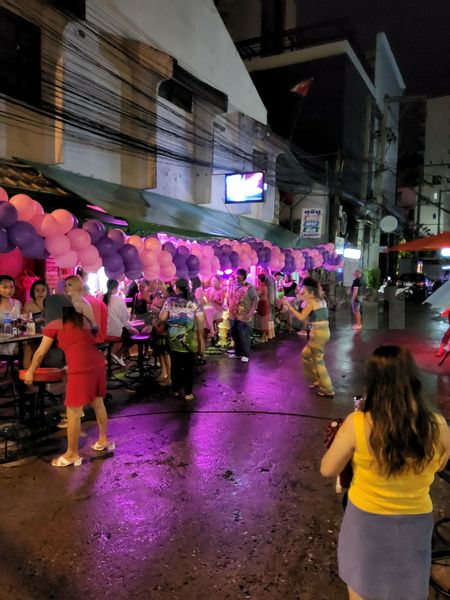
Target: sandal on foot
(63,462)
(189,397)
(319,393)
(313,386)
(100,447)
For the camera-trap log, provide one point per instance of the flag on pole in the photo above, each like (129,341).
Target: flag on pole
(302,88)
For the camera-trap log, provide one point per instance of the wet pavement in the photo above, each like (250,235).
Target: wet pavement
(219,500)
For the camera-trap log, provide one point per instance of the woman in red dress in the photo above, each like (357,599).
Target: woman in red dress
(86,378)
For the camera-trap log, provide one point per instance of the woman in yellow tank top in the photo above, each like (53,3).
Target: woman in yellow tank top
(396,446)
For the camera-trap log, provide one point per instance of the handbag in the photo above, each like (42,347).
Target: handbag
(24,283)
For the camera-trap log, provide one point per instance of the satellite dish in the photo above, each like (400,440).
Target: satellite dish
(388,224)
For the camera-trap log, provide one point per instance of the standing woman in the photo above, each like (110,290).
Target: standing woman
(185,333)
(396,445)
(315,312)
(263,308)
(86,378)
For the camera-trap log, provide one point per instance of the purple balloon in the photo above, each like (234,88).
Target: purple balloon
(225,263)
(114,263)
(113,274)
(129,253)
(36,249)
(95,229)
(133,265)
(179,261)
(3,239)
(135,274)
(106,247)
(192,262)
(117,236)
(226,249)
(234,259)
(21,234)
(183,251)
(170,248)
(183,273)
(9,248)
(8,214)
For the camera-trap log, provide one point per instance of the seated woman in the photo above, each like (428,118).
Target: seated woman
(8,306)
(119,327)
(36,305)
(142,300)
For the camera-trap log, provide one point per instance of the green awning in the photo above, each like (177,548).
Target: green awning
(147,211)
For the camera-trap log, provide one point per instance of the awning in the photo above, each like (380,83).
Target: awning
(147,211)
(430,242)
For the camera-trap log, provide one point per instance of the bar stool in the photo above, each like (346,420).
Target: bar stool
(141,340)
(41,378)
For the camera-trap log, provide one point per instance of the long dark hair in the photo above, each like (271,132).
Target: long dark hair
(33,287)
(405,433)
(111,285)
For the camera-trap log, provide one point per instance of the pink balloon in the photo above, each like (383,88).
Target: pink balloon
(206,271)
(93,268)
(13,263)
(57,244)
(208,251)
(67,260)
(38,210)
(164,258)
(48,226)
(136,241)
(168,272)
(24,206)
(152,243)
(152,272)
(89,256)
(3,195)
(79,239)
(149,258)
(64,219)
(196,250)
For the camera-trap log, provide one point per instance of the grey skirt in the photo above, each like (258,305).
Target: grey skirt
(385,557)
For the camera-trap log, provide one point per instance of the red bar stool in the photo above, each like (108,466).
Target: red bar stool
(41,378)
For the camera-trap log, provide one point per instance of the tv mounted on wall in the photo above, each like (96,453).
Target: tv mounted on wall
(241,188)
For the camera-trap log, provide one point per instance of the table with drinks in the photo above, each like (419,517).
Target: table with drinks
(19,331)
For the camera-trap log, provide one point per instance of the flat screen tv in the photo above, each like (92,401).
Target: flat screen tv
(241,188)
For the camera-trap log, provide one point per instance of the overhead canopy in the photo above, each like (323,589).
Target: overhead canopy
(431,242)
(147,211)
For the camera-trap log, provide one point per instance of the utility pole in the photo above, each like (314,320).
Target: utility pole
(439,211)
(419,199)
(335,197)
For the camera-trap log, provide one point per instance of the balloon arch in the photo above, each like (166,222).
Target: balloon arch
(25,225)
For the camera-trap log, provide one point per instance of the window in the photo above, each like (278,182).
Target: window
(176,94)
(20,58)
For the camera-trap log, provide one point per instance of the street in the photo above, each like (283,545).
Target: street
(220,500)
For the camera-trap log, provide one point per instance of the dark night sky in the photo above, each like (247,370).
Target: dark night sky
(418,32)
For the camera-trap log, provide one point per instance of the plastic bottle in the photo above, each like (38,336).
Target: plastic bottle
(31,325)
(7,324)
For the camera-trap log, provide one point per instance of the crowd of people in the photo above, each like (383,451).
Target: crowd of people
(394,442)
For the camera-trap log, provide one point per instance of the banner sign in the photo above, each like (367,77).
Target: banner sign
(311,223)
